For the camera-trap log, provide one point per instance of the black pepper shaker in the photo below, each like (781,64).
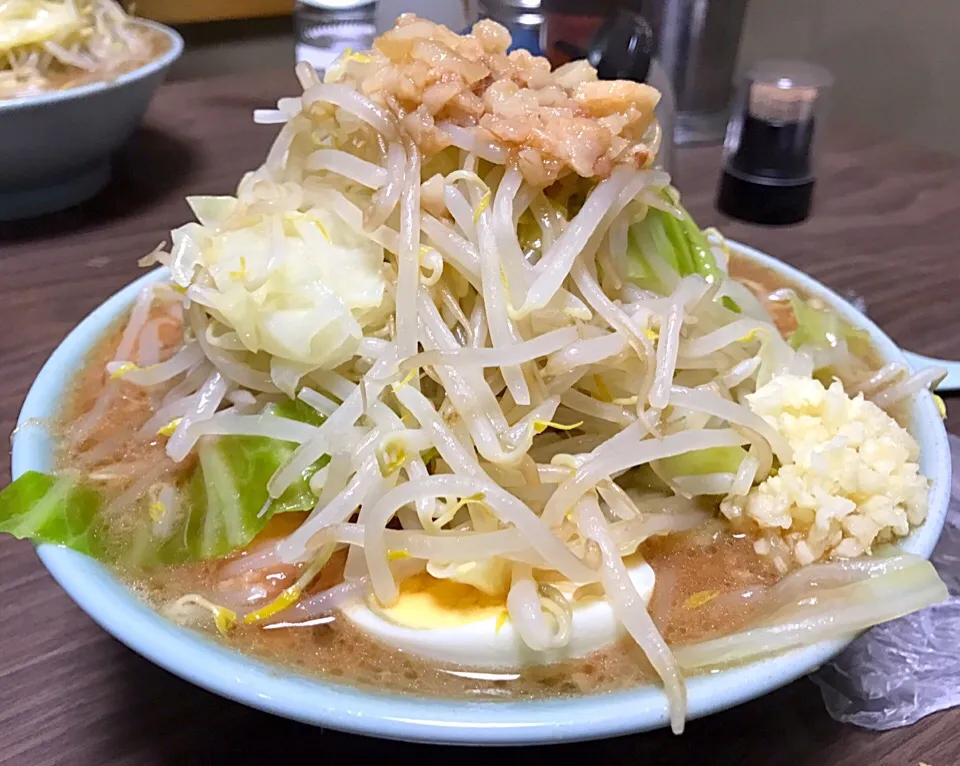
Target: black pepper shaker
(768,160)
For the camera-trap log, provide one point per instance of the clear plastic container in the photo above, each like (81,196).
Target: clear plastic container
(769,162)
(324,29)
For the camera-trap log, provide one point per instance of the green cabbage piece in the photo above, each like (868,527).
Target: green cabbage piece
(223,504)
(851,596)
(52,510)
(679,242)
(703,461)
(694,463)
(821,328)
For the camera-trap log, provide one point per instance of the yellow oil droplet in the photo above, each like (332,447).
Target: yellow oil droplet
(157,511)
(698,599)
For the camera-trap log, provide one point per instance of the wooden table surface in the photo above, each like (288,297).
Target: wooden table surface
(884,227)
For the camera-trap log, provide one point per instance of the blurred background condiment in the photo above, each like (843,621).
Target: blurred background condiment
(900,55)
(768,159)
(698,42)
(324,29)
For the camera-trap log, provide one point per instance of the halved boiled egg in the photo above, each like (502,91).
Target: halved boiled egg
(450,621)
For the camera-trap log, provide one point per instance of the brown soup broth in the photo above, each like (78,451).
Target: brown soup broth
(697,572)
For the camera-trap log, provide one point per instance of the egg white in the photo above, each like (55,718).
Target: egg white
(486,645)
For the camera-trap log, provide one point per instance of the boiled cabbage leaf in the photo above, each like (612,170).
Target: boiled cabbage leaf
(48,509)
(222,505)
(301,287)
(820,328)
(679,242)
(699,462)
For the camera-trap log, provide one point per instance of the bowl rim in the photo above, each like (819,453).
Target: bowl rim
(153,66)
(285,692)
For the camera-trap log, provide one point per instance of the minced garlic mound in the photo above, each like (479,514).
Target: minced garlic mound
(854,481)
(553,119)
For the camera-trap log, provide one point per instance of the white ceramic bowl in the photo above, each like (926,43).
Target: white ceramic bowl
(213,666)
(55,147)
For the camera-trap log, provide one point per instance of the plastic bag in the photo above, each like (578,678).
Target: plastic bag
(899,672)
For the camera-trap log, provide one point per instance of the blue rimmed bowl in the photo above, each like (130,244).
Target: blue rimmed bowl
(55,147)
(213,666)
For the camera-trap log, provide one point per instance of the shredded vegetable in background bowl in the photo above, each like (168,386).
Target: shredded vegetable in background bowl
(458,330)
(85,64)
(57,44)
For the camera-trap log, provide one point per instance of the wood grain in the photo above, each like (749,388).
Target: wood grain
(70,694)
(192,11)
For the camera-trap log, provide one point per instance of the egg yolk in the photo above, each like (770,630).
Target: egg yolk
(428,603)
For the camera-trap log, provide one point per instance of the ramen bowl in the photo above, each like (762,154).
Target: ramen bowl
(281,691)
(56,146)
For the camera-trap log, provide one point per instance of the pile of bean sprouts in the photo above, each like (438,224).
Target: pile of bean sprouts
(494,413)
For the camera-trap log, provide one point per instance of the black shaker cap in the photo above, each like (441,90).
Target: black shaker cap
(621,48)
